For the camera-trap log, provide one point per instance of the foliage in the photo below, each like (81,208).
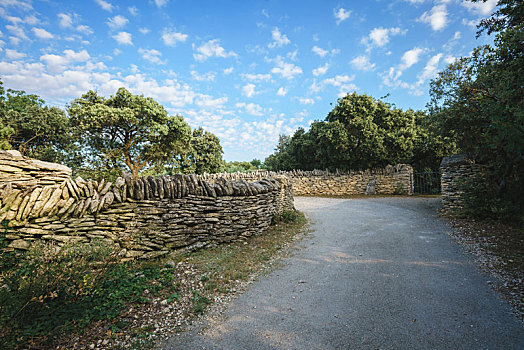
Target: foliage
(203,156)
(50,291)
(127,129)
(243,167)
(480,200)
(478,101)
(35,130)
(288,217)
(361,133)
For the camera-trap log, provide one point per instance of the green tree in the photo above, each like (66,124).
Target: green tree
(127,129)
(36,130)
(361,133)
(207,152)
(479,102)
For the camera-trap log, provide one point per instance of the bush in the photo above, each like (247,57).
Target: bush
(288,216)
(50,288)
(481,200)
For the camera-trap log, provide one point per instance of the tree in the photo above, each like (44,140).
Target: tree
(207,152)
(361,133)
(34,129)
(127,129)
(479,102)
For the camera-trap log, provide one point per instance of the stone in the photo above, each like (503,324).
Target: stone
(20,244)
(22,206)
(9,169)
(53,200)
(90,188)
(100,185)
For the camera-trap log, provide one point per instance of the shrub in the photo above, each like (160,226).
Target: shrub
(288,216)
(481,200)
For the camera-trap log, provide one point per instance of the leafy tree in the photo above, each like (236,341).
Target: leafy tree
(34,129)
(361,133)
(127,129)
(479,102)
(207,152)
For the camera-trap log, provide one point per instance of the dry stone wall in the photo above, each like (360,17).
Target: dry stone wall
(146,218)
(389,180)
(455,169)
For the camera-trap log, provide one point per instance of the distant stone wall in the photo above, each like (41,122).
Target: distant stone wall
(146,218)
(455,169)
(389,180)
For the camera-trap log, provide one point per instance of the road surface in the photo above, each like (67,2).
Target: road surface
(377,273)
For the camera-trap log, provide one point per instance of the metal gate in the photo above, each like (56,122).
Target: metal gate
(427,182)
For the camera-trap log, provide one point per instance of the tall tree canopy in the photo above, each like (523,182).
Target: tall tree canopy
(361,133)
(128,129)
(204,155)
(34,129)
(479,102)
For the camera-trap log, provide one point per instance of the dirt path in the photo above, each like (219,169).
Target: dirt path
(375,273)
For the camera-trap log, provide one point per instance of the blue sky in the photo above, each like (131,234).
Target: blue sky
(245,70)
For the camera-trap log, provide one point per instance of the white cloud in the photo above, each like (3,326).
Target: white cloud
(65,20)
(457,35)
(286,70)
(436,17)
(61,87)
(171,37)
(306,101)
(206,101)
(256,77)
(106,6)
(362,63)
(319,51)
(248,90)
(449,59)
(144,30)
(123,38)
(42,33)
(24,5)
(133,10)
(14,55)
(321,70)
(251,108)
(379,37)
(229,70)
(210,49)
(430,70)
(282,91)
(480,8)
(470,23)
(153,56)
(117,22)
(117,51)
(341,15)
(84,29)
(342,82)
(410,58)
(279,39)
(57,63)
(161,3)
(18,32)
(209,76)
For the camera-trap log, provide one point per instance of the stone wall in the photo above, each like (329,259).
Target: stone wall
(146,218)
(455,169)
(389,180)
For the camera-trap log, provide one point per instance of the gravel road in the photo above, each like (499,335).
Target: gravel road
(376,273)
